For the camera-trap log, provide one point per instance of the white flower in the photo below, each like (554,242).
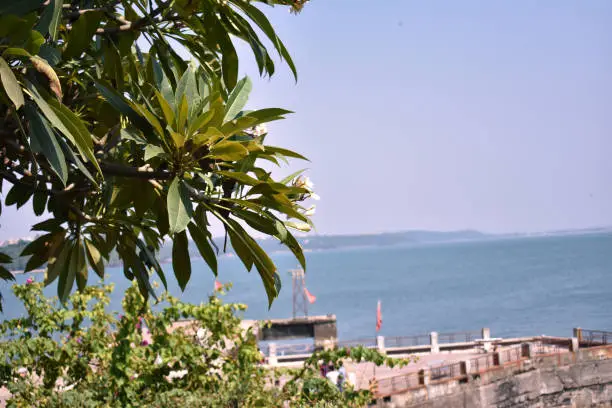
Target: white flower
(177,374)
(315,196)
(260,130)
(257,131)
(158,360)
(310,211)
(300,226)
(308,184)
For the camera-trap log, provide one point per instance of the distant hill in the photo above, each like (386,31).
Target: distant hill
(331,242)
(309,243)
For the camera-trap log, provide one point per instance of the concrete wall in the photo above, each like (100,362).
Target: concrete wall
(581,379)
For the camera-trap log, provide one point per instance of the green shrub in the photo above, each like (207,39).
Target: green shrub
(82,355)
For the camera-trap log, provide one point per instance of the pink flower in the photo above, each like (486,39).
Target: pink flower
(120,317)
(144,343)
(78,340)
(218,286)
(29,281)
(138,325)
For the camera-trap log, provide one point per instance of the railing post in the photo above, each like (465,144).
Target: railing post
(464,367)
(578,334)
(497,358)
(486,335)
(423,377)
(380,344)
(272,359)
(526,350)
(433,340)
(574,344)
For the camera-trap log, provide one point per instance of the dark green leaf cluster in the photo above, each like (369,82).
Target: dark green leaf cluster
(126,144)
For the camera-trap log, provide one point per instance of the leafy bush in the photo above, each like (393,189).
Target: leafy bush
(82,355)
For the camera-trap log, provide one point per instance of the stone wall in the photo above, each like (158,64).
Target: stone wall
(581,379)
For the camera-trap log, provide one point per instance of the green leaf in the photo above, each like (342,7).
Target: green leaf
(152,151)
(180,259)
(237,99)
(257,222)
(39,245)
(119,102)
(262,261)
(177,138)
(250,253)
(42,140)
(295,247)
(152,260)
(284,152)
(67,275)
(80,36)
(180,208)
(50,225)
(19,7)
(229,64)
(66,122)
(81,265)
(204,247)
(264,24)
(211,135)
(292,176)
(57,265)
(144,280)
(39,202)
(51,54)
(94,258)
(228,151)
(75,159)
(201,121)
(166,108)
(240,177)
(186,87)
(183,113)
(78,131)
(10,84)
(267,115)
(34,262)
(35,40)
(50,19)
(4,258)
(242,249)
(150,117)
(19,195)
(19,52)
(5,274)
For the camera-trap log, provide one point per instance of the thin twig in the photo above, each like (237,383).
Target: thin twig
(120,170)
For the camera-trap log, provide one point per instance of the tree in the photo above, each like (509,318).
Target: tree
(125,143)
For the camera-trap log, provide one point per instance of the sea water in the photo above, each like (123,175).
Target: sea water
(519,286)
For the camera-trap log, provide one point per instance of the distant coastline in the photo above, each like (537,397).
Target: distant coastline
(316,243)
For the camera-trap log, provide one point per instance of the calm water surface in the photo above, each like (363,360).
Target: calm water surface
(523,286)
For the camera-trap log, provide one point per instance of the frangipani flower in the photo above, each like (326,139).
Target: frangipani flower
(310,211)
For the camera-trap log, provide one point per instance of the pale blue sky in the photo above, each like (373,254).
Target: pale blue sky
(445,115)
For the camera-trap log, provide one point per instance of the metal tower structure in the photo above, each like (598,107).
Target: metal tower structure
(300,303)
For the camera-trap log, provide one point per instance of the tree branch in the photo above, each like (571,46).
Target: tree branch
(114,169)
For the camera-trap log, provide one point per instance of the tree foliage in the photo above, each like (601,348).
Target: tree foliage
(125,143)
(55,360)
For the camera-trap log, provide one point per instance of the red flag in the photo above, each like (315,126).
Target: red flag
(378,317)
(311,298)
(218,286)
